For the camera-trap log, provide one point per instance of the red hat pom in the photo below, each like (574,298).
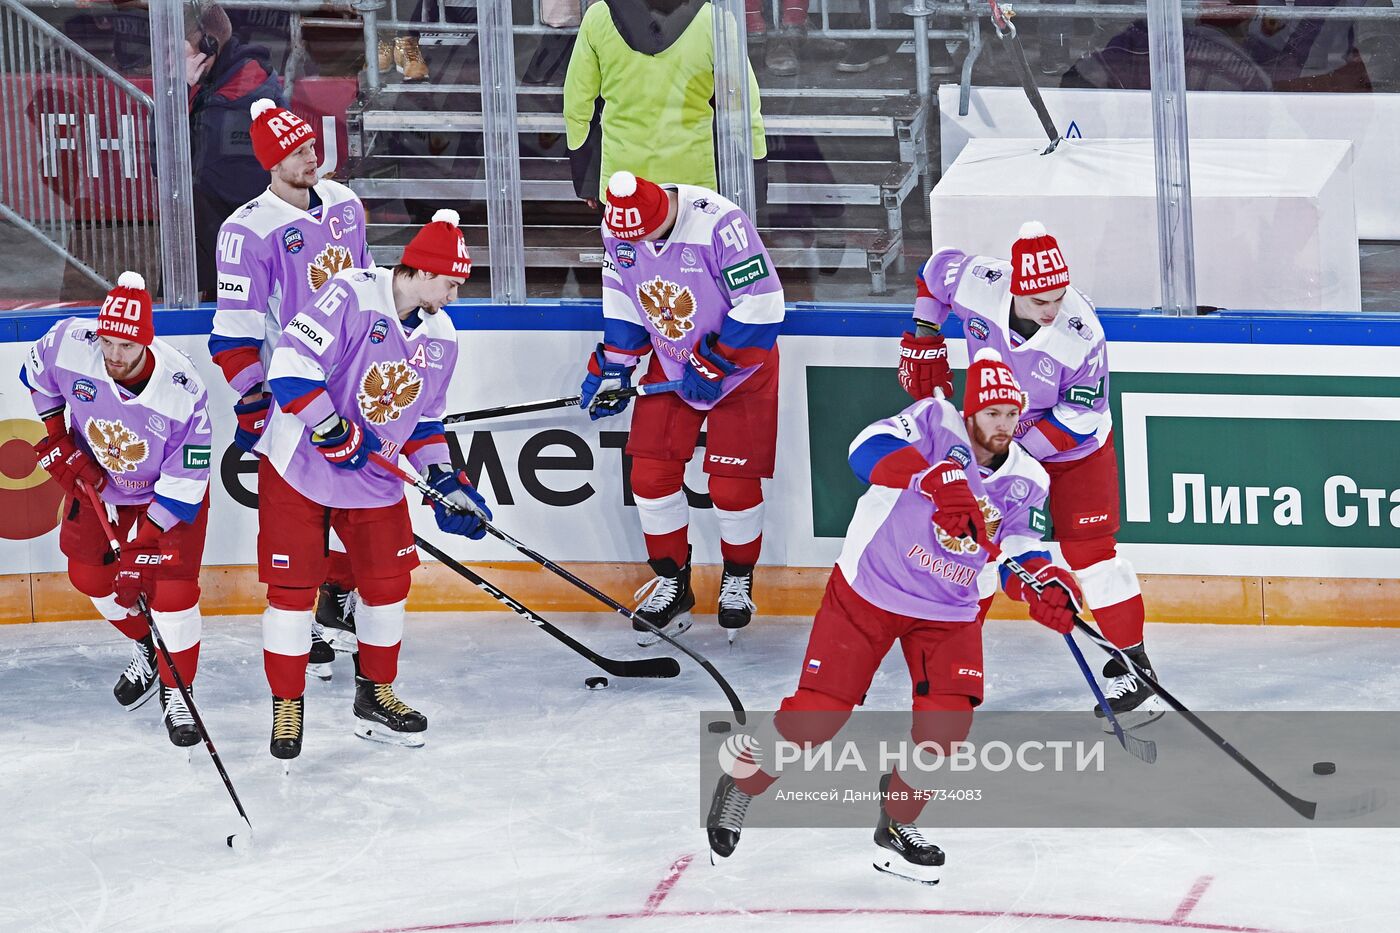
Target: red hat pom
(1037,265)
(127,313)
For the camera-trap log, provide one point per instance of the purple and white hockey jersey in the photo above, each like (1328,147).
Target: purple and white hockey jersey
(1063,368)
(154,446)
(348,353)
(272,258)
(711,275)
(896,558)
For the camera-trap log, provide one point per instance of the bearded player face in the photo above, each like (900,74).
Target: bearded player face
(993,427)
(298,170)
(122,357)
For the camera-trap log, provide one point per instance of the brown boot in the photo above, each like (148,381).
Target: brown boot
(408,58)
(386,55)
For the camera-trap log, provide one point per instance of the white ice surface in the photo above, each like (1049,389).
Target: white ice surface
(537,804)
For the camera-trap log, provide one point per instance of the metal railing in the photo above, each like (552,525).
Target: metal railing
(76,169)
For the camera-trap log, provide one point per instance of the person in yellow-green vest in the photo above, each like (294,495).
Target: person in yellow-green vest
(638,96)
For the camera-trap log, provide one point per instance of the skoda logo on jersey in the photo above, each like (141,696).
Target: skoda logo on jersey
(1046,366)
(960,455)
(978,328)
(435,352)
(292,240)
(84,390)
(626,255)
(1020,489)
(349,214)
(379,331)
(688,257)
(156,423)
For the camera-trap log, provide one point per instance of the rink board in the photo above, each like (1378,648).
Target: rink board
(1258,455)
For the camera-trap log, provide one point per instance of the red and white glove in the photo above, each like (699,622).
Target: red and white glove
(1058,601)
(955,509)
(142,561)
(67,464)
(923,366)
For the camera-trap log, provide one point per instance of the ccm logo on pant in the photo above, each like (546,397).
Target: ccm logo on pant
(1091,519)
(733,461)
(405,551)
(968,672)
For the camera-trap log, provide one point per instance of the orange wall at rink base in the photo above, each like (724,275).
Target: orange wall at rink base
(780,591)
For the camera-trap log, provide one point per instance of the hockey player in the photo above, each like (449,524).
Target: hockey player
(136,431)
(686,278)
(913,569)
(363,368)
(1048,332)
(273,254)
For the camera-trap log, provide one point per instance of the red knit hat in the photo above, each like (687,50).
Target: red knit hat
(636,207)
(126,314)
(276,132)
(439,247)
(990,382)
(1037,265)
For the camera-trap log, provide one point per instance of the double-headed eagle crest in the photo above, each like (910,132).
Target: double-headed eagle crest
(327,263)
(387,389)
(669,306)
(990,514)
(115,445)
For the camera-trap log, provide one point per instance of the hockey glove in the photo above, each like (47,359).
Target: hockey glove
(1058,601)
(604,376)
(955,509)
(348,445)
(141,563)
(67,464)
(460,492)
(252,419)
(705,371)
(923,366)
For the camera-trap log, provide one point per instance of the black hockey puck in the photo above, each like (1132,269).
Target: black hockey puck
(719,726)
(595,683)
(1324,767)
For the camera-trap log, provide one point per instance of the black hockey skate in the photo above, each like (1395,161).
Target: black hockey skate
(736,597)
(901,850)
(666,601)
(728,807)
(137,683)
(382,717)
(179,723)
(1133,702)
(322,656)
(335,611)
(287,718)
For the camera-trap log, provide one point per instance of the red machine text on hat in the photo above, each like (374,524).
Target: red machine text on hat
(126,313)
(1037,265)
(636,207)
(276,132)
(991,382)
(439,247)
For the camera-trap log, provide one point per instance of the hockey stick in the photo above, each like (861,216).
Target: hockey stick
(437,497)
(1326,810)
(645,667)
(99,507)
(571,401)
(1006,32)
(1143,749)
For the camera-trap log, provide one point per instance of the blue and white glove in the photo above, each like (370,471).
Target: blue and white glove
(705,371)
(461,493)
(604,376)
